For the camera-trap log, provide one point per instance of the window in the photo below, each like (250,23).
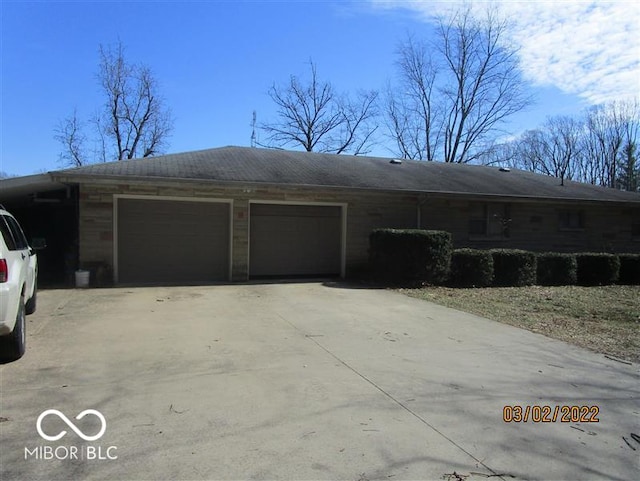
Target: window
(478,220)
(19,240)
(6,233)
(491,220)
(571,220)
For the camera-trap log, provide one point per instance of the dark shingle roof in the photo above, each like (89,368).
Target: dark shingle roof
(270,166)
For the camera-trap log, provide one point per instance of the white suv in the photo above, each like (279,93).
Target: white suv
(18,286)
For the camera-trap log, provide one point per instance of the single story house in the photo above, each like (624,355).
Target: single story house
(238,213)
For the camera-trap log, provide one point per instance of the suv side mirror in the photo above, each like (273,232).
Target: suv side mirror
(38,243)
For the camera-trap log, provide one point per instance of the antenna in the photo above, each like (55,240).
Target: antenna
(253,130)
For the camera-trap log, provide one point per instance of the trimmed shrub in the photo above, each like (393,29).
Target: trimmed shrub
(555,269)
(629,269)
(400,255)
(598,269)
(512,267)
(471,268)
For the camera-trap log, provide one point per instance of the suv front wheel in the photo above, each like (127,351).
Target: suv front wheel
(12,345)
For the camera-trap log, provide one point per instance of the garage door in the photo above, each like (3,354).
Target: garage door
(294,240)
(172,241)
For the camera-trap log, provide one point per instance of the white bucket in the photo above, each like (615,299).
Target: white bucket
(82,278)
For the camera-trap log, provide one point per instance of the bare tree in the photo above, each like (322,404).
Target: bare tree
(413,116)
(612,131)
(132,123)
(100,141)
(597,147)
(564,151)
(504,154)
(530,152)
(455,93)
(69,133)
(555,149)
(603,143)
(313,115)
(135,117)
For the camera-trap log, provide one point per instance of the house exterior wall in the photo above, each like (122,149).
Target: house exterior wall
(536,225)
(365,212)
(532,225)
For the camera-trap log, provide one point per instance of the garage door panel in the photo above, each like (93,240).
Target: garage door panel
(294,240)
(172,241)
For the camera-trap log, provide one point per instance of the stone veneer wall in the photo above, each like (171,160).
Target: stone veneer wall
(534,224)
(365,211)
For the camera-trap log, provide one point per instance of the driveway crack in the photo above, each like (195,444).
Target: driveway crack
(313,338)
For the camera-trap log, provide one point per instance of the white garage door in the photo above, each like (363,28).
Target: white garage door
(294,240)
(172,242)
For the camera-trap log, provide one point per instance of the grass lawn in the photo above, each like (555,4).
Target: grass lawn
(603,319)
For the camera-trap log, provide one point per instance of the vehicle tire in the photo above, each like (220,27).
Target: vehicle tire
(30,306)
(12,346)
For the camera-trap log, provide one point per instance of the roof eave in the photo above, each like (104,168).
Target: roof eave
(17,186)
(66,178)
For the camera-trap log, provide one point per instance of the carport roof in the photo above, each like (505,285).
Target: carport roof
(15,187)
(271,166)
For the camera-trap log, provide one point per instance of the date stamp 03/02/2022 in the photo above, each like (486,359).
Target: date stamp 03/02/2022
(550,414)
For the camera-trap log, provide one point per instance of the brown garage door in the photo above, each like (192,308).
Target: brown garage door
(294,240)
(173,242)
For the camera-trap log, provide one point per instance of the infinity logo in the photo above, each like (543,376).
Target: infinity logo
(98,414)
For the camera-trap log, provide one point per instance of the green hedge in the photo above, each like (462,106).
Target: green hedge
(401,255)
(598,269)
(555,269)
(512,267)
(629,269)
(471,268)
(423,256)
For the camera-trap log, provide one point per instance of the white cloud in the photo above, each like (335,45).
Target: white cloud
(590,49)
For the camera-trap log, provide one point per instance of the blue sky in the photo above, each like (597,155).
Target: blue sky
(215,60)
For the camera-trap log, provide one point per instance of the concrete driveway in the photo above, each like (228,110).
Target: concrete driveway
(302,381)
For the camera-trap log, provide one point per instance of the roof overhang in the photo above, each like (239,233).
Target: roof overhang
(66,178)
(16,187)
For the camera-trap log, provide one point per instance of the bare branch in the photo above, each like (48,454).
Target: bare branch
(312,115)
(133,121)
(457,91)
(555,149)
(134,118)
(69,134)
(610,129)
